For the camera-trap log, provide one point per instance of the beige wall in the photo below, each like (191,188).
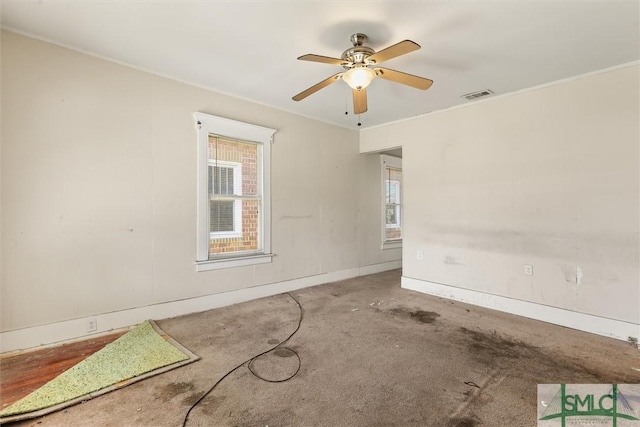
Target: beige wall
(99,198)
(547,177)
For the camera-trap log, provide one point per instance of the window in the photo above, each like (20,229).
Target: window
(225,207)
(392,201)
(233,221)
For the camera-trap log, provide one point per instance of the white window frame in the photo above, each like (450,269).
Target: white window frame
(207,124)
(395,163)
(237,204)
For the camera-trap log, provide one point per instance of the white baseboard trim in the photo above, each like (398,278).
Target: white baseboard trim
(68,330)
(571,319)
(379,268)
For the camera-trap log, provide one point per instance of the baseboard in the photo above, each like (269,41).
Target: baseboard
(571,319)
(379,268)
(77,328)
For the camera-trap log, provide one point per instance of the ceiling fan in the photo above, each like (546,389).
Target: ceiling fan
(358,61)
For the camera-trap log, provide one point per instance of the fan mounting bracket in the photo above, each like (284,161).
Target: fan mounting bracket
(358,39)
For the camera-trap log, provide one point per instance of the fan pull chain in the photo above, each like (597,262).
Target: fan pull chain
(346,100)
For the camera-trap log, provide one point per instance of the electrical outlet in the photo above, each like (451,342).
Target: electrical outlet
(419,255)
(528,270)
(92,324)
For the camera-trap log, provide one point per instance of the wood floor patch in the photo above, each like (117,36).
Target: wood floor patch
(22,373)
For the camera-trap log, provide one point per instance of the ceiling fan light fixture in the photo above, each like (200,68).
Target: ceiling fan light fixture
(359,77)
(356,61)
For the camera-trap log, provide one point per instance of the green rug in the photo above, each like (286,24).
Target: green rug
(142,352)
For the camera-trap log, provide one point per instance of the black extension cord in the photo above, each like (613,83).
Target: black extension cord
(249,363)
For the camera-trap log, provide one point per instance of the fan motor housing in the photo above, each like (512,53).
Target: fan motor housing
(357,54)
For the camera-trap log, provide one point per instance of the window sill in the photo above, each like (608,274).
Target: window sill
(392,245)
(225,235)
(241,261)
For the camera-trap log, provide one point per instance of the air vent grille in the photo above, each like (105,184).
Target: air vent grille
(479,94)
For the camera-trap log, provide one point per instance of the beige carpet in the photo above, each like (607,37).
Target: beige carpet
(373,355)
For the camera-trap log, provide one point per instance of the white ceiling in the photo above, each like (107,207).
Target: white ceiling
(249,49)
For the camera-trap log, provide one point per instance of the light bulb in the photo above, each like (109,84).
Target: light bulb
(359,77)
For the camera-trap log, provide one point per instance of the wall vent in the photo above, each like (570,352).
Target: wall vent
(479,94)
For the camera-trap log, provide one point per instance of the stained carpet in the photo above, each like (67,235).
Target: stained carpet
(142,352)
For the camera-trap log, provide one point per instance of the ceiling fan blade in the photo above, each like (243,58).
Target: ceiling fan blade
(397,49)
(403,78)
(313,89)
(359,101)
(323,59)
